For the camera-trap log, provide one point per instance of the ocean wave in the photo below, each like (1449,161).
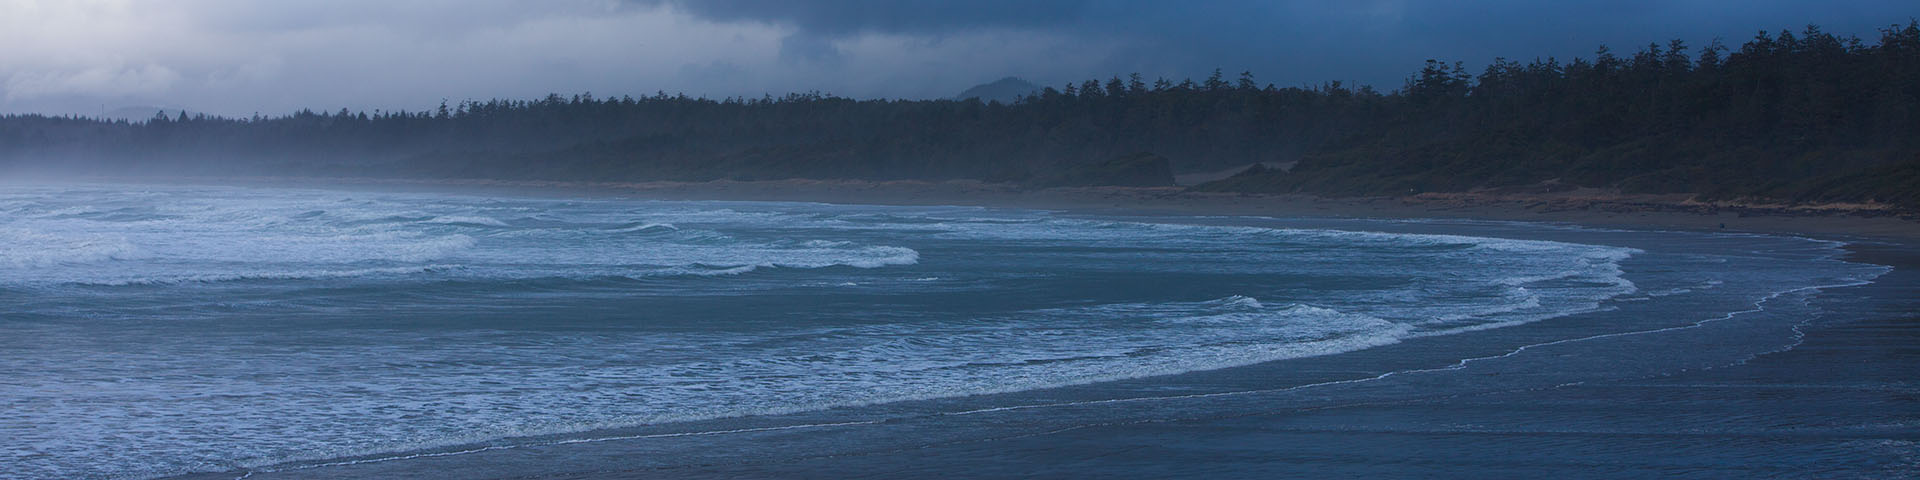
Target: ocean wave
(406,247)
(463,220)
(1235,301)
(71,211)
(1071,229)
(33,249)
(270,275)
(878,257)
(815,255)
(386,219)
(642,227)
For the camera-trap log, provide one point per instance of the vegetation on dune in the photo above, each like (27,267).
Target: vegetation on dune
(1790,116)
(1142,169)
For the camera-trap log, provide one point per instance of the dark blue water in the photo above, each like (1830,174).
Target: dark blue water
(156,331)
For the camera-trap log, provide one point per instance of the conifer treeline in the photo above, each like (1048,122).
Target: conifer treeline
(1792,115)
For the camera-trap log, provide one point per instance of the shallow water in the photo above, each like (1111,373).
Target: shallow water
(165,330)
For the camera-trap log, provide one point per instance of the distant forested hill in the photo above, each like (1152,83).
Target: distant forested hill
(1799,116)
(1005,90)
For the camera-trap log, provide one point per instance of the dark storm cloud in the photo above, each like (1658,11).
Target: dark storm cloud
(237,57)
(1295,42)
(846,17)
(819,23)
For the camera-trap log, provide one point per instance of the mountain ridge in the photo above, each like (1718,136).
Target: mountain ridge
(1005,90)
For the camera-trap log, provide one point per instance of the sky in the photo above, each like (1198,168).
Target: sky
(242,57)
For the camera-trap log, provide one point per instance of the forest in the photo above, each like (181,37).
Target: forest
(1802,116)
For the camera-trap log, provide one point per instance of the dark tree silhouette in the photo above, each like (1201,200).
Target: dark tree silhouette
(1798,116)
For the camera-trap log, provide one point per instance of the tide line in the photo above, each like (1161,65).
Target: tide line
(1758,306)
(251,472)
(1459,365)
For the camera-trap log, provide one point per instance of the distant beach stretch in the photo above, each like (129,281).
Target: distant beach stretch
(1587,207)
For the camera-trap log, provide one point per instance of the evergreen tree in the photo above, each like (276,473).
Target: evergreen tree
(1215,82)
(1787,116)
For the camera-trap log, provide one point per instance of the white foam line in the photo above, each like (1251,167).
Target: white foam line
(363,461)
(1758,306)
(1460,365)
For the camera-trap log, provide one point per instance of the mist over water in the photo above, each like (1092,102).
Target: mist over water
(161,330)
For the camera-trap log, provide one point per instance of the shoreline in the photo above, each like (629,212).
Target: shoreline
(1558,355)
(1671,212)
(605,453)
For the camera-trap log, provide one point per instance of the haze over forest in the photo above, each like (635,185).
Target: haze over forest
(1797,116)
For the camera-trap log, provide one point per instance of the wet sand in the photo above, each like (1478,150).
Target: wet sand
(1841,403)
(1852,385)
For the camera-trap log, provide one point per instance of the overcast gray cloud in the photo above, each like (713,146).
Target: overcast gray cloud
(238,57)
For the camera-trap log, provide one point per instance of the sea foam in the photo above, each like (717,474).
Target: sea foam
(389,322)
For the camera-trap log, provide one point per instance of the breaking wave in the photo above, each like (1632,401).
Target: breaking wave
(28,249)
(489,328)
(269,275)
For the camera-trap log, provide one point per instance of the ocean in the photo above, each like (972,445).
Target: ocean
(167,330)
